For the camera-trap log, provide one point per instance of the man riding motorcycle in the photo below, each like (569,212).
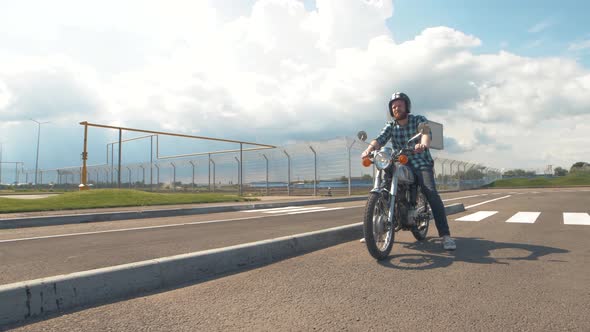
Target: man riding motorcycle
(399,131)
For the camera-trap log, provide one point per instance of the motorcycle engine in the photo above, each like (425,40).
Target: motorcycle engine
(405,214)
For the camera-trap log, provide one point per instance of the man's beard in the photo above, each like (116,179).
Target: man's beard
(400,116)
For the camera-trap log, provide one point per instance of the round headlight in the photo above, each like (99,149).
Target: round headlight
(382,160)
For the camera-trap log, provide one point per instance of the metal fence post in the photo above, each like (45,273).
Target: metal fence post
(451,169)
(315,171)
(240,172)
(129,175)
(459,186)
(151,163)
(443,178)
(265,158)
(350,168)
(173,176)
(112,164)
(157,176)
(120,156)
(213,162)
(142,175)
(239,189)
(193,179)
(288,173)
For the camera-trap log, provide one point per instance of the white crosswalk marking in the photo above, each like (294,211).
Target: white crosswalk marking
(477,216)
(576,218)
(569,218)
(524,217)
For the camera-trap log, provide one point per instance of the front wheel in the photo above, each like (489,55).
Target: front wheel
(378,230)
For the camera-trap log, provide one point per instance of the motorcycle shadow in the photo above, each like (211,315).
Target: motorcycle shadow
(431,255)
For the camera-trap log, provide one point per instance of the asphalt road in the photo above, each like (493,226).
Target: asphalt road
(529,275)
(31,253)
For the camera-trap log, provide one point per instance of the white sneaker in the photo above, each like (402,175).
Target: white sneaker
(449,243)
(362,240)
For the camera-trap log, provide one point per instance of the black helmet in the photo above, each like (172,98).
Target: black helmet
(404,97)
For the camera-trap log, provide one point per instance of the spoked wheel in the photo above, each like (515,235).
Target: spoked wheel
(423,217)
(378,229)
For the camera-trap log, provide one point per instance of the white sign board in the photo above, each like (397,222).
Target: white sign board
(437,135)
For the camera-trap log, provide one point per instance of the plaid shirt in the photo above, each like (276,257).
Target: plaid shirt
(399,136)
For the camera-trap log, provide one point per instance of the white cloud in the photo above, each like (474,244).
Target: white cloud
(533,44)
(278,71)
(580,45)
(541,26)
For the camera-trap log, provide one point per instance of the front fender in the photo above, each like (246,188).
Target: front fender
(383,192)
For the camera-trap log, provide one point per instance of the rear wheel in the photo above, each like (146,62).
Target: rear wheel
(377,228)
(423,217)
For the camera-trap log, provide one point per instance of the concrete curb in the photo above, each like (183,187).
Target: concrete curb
(160,213)
(454,208)
(23,300)
(28,299)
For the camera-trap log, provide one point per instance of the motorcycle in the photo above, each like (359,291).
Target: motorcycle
(396,202)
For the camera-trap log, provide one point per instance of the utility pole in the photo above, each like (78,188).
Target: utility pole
(38,141)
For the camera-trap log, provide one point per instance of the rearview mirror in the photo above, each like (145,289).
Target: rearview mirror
(423,128)
(362,135)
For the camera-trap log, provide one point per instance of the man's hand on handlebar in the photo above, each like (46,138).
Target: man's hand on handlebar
(419,148)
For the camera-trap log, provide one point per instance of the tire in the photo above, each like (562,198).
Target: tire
(378,207)
(423,209)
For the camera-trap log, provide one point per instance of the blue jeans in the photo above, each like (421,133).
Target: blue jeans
(425,178)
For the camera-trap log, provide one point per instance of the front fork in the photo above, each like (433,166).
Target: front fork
(392,193)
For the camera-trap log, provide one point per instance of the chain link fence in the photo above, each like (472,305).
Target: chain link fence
(325,168)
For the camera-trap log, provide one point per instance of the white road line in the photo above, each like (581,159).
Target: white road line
(294,210)
(576,218)
(153,227)
(454,199)
(275,209)
(524,217)
(491,200)
(477,216)
(330,209)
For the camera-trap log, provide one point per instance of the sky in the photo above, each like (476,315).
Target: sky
(510,81)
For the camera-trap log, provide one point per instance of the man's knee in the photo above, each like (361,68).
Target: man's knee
(429,192)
